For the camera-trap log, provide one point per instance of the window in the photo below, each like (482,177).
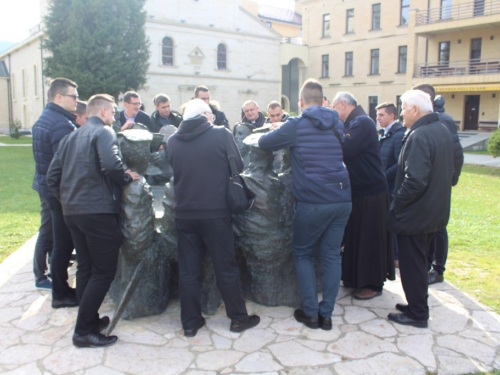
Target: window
(326,25)
(402,56)
(372,103)
(405,10)
(35,81)
(444,53)
(269,24)
(399,107)
(348,64)
(24,83)
(475,49)
(325,73)
(374,61)
(13,86)
(349,21)
(167,51)
(478,8)
(221,57)
(375,16)
(445,9)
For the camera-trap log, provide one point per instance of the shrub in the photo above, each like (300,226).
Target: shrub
(14,133)
(494,144)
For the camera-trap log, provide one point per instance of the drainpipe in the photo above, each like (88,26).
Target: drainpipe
(427,39)
(9,97)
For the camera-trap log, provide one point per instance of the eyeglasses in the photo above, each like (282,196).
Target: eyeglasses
(136,104)
(75,97)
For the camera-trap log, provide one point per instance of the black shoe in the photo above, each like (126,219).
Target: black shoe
(240,326)
(325,323)
(405,320)
(310,321)
(435,277)
(103,323)
(93,340)
(194,331)
(68,301)
(402,307)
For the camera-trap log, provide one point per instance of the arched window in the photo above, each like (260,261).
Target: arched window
(167,51)
(221,57)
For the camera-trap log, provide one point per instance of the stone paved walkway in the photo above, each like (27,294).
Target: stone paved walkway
(463,337)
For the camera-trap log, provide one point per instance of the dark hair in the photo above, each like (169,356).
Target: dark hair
(274,104)
(200,88)
(59,86)
(390,108)
(160,98)
(312,92)
(98,101)
(129,95)
(81,107)
(427,88)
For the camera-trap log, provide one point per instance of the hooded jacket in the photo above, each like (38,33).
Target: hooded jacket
(318,174)
(201,169)
(155,124)
(362,154)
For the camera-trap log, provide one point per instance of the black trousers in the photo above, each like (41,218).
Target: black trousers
(61,252)
(97,241)
(413,266)
(44,242)
(194,238)
(438,253)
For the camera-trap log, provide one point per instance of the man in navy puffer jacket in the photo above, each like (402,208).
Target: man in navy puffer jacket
(323,199)
(55,123)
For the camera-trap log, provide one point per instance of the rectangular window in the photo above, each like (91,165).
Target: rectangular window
(402,57)
(325,66)
(348,64)
(444,53)
(24,83)
(478,8)
(35,81)
(399,106)
(374,61)
(349,21)
(13,86)
(375,16)
(326,25)
(372,104)
(445,9)
(405,10)
(475,49)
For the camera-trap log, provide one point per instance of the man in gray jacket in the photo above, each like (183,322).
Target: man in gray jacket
(86,175)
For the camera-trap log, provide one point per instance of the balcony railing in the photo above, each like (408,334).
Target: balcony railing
(297,41)
(457,68)
(474,8)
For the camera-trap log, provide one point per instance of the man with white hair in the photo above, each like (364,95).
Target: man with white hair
(199,161)
(421,203)
(368,257)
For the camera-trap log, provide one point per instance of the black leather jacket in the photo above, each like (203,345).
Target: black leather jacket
(422,192)
(86,173)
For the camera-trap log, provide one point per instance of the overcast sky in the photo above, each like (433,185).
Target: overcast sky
(19,16)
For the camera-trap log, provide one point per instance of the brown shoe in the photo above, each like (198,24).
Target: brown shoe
(365,294)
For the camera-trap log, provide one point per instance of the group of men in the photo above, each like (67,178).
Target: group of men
(357,195)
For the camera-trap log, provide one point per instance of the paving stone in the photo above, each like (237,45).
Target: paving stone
(197,372)
(177,343)
(280,312)
(318,346)
(468,347)
(136,334)
(321,335)
(64,316)
(10,336)
(46,337)
(22,277)
(344,301)
(30,369)
(459,298)
(387,299)
(32,322)
(287,326)
(310,371)
(220,325)
(257,363)
(385,363)
(202,338)
(489,338)
(253,340)
(379,327)
(9,314)
(221,342)
(485,320)
(201,349)
(102,370)
(338,310)
(293,354)
(160,324)
(8,298)
(449,319)
(439,351)
(382,313)
(419,347)
(71,359)
(348,328)
(356,315)
(454,365)
(27,286)
(285,338)
(23,354)
(360,345)
(218,359)
(144,360)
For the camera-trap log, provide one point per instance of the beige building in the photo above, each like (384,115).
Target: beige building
(377,50)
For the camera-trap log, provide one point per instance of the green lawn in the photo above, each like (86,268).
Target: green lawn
(12,141)
(481,152)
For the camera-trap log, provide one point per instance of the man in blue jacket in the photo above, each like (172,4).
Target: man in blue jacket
(54,124)
(323,199)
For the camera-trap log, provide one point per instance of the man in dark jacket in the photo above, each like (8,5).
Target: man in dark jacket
(438,252)
(202,92)
(323,199)
(252,114)
(86,175)
(275,113)
(163,114)
(368,257)
(421,204)
(201,174)
(132,113)
(56,122)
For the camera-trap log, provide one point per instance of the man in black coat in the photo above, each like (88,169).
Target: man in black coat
(438,252)
(163,114)
(202,92)
(421,203)
(132,113)
(86,175)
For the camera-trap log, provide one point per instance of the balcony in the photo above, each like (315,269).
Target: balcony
(457,68)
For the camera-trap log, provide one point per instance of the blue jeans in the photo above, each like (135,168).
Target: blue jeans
(44,242)
(324,223)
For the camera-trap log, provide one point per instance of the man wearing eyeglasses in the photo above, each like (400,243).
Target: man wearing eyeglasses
(132,113)
(53,125)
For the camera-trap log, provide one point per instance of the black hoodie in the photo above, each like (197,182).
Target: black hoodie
(201,169)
